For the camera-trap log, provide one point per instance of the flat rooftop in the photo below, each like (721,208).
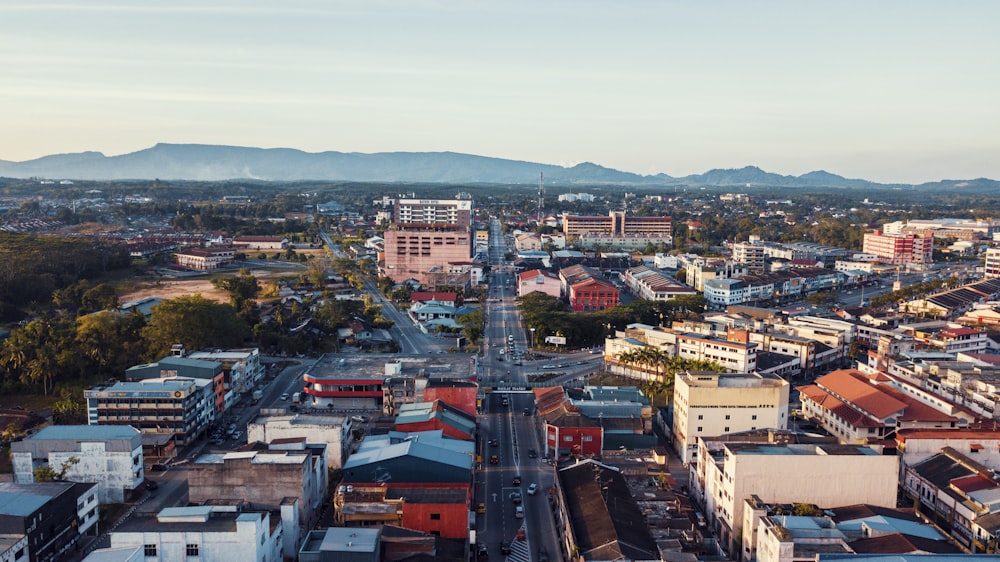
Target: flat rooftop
(447,365)
(730,380)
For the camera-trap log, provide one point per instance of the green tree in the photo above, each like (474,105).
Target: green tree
(195,322)
(46,473)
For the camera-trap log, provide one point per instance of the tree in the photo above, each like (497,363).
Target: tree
(473,325)
(195,322)
(242,288)
(45,473)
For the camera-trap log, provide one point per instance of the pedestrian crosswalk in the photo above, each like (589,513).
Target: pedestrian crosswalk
(519,549)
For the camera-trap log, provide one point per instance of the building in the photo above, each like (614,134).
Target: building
(565,429)
(725,475)
(52,515)
(208,533)
(860,409)
(180,409)
(241,368)
(753,256)
(342,544)
(538,281)
(626,243)
(436,416)
(615,224)
(174,366)
(205,259)
(710,404)
(260,242)
(593,294)
(14,547)
(900,249)
(427,233)
(527,241)
(916,445)
(650,284)
(571,197)
(109,456)
(992,267)
(331,430)
(290,478)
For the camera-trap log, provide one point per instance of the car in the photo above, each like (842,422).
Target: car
(519,512)
(151,485)
(481,508)
(516,481)
(504,547)
(506,402)
(519,535)
(532,454)
(238,435)
(483,553)
(494,459)
(516,497)
(543,555)
(525,412)
(284,396)
(548,366)
(532,489)
(494,443)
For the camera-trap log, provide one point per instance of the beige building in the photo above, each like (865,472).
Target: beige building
(427,234)
(333,431)
(710,404)
(527,241)
(725,475)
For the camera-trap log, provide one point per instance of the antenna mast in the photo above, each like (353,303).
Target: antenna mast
(541,194)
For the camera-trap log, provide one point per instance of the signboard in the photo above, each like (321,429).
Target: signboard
(556,340)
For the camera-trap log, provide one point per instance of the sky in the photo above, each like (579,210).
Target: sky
(890,91)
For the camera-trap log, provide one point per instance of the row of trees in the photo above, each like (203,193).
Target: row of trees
(546,315)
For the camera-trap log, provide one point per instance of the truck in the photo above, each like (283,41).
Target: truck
(296,398)
(257,395)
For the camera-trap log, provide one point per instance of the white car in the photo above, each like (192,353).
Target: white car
(284,396)
(532,489)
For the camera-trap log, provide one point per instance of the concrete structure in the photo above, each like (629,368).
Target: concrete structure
(725,475)
(206,533)
(205,259)
(427,233)
(900,249)
(260,242)
(710,404)
(290,478)
(14,548)
(992,266)
(53,516)
(109,456)
(178,366)
(331,430)
(916,445)
(615,224)
(538,281)
(175,407)
(342,544)
(527,241)
(629,243)
(242,368)
(650,284)
(751,255)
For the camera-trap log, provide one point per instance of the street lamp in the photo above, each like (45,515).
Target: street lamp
(532,338)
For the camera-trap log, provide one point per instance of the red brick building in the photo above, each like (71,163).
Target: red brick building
(566,430)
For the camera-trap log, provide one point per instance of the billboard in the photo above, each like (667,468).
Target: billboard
(557,340)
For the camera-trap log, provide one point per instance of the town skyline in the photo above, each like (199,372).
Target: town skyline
(893,92)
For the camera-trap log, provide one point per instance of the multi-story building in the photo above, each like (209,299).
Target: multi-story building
(650,284)
(725,474)
(260,242)
(52,515)
(109,456)
(593,294)
(900,249)
(342,544)
(992,270)
(710,404)
(735,353)
(330,430)
(427,233)
(290,478)
(751,255)
(172,366)
(202,533)
(205,259)
(241,368)
(14,548)
(616,224)
(527,241)
(177,408)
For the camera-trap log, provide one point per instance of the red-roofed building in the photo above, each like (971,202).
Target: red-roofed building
(858,409)
(538,281)
(566,430)
(593,294)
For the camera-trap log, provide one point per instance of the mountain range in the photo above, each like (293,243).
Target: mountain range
(200,162)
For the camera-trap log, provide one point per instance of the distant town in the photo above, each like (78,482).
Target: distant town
(320,371)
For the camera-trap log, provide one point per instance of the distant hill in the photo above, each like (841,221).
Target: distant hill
(212,162)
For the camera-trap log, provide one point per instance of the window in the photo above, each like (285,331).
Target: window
(727,416)
(567,438)
(192,550)
(726,429)
(701,417)
(149,550)
(699,428)
(753,417)
(435,517)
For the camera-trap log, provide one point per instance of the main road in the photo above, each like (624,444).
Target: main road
(510,429)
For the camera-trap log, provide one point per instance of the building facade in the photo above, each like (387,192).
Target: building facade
(900,249)
(52,515)
(180,409)
(427,233)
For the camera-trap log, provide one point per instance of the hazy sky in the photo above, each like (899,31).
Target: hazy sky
(903,91)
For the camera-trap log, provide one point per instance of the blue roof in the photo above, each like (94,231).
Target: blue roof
(885,524)
(413,449)
(24,499)
(86,432)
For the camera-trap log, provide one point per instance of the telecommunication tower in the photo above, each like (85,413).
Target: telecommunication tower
(541,194)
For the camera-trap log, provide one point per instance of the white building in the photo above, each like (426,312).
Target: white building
(204,533)
(334,431)
(107,455)
(13,547)
(538,281)
(650,284)
(243,366)
(710,404)
(725,475)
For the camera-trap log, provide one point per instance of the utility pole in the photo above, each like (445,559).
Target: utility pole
(541,194)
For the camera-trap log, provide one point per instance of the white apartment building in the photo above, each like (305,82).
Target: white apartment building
(204,533)
(751,255)
(107,455)
(243,366)
(334,431)
(736,356)
(992,270)
(710,404)
(726,474)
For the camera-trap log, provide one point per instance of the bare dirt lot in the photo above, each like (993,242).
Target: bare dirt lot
(172,288)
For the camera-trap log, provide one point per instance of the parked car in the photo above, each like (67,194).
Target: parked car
(543,555)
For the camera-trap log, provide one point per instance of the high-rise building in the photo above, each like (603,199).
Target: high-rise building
(427,233)
(900,249)
(617,224)
(752,255)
